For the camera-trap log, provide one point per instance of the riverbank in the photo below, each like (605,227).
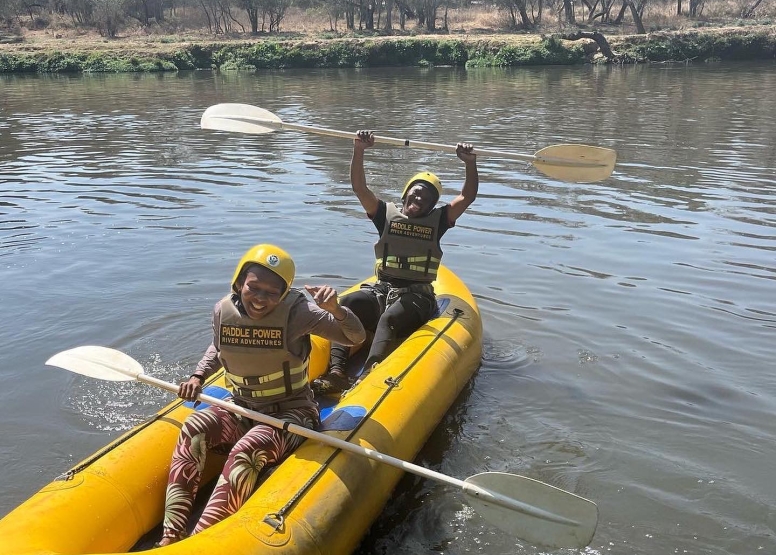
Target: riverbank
(62,54)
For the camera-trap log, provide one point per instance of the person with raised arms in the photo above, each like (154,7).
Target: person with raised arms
(407,256)
(261,337)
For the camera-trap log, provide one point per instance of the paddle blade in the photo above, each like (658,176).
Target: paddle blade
(576,163)
(542,514)
(98,362)
(240,118)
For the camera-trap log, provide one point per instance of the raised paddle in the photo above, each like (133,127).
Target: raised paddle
(567,162)
(531,510)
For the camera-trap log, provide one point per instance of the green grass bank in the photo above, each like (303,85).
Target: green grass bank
(749,43)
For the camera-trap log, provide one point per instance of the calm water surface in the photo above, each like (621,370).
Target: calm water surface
(629,324)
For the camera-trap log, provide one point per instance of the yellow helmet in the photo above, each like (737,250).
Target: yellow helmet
(424,177)
(272,258)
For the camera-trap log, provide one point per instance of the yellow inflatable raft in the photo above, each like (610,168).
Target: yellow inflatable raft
(319,500)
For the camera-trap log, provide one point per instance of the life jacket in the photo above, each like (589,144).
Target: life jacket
(254,353)
(408,248)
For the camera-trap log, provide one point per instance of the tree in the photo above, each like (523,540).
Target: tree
(334,9)
(350,15)
(749,12)
(636,12)
(219,18)
(252,8)
(515,8)
(80,11)
(599,9)
(568,8)
(426,12)
(366,14)
(146,10)
(595,36)
(388,25)
(109,16)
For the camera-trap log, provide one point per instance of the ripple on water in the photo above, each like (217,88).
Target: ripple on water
(120,406)
(505,354)
(673,436)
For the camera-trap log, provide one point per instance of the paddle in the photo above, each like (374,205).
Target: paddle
(567,162)
(531,510)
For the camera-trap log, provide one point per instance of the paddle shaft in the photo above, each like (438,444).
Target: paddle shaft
(414,144)
(470,489)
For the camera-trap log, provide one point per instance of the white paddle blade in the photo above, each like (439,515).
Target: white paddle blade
(576,163)
(102,363)
(240,118)
(552,517)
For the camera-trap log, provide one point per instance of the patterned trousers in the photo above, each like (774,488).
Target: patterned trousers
(251,448)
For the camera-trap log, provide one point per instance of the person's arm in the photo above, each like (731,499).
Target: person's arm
(331,320)
(207,366)
(363,140)
(470,185)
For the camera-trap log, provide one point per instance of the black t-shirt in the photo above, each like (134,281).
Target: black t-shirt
(379,221)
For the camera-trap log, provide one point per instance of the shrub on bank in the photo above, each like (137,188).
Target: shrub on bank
(394,53)
(57,62)
(340,54)
(748,45)
(401,52)
(550,51)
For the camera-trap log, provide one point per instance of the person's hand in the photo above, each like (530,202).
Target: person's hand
(364,139)
(464,152)
(190,390)
(326,297)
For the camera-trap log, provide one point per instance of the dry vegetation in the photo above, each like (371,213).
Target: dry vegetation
(187,26)
(297,25)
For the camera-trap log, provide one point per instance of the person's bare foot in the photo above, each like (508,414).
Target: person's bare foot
(167,540)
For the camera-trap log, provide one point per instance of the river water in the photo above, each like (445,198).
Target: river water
(629,324)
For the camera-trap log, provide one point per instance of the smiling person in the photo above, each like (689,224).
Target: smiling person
(261,337)
(407,255)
